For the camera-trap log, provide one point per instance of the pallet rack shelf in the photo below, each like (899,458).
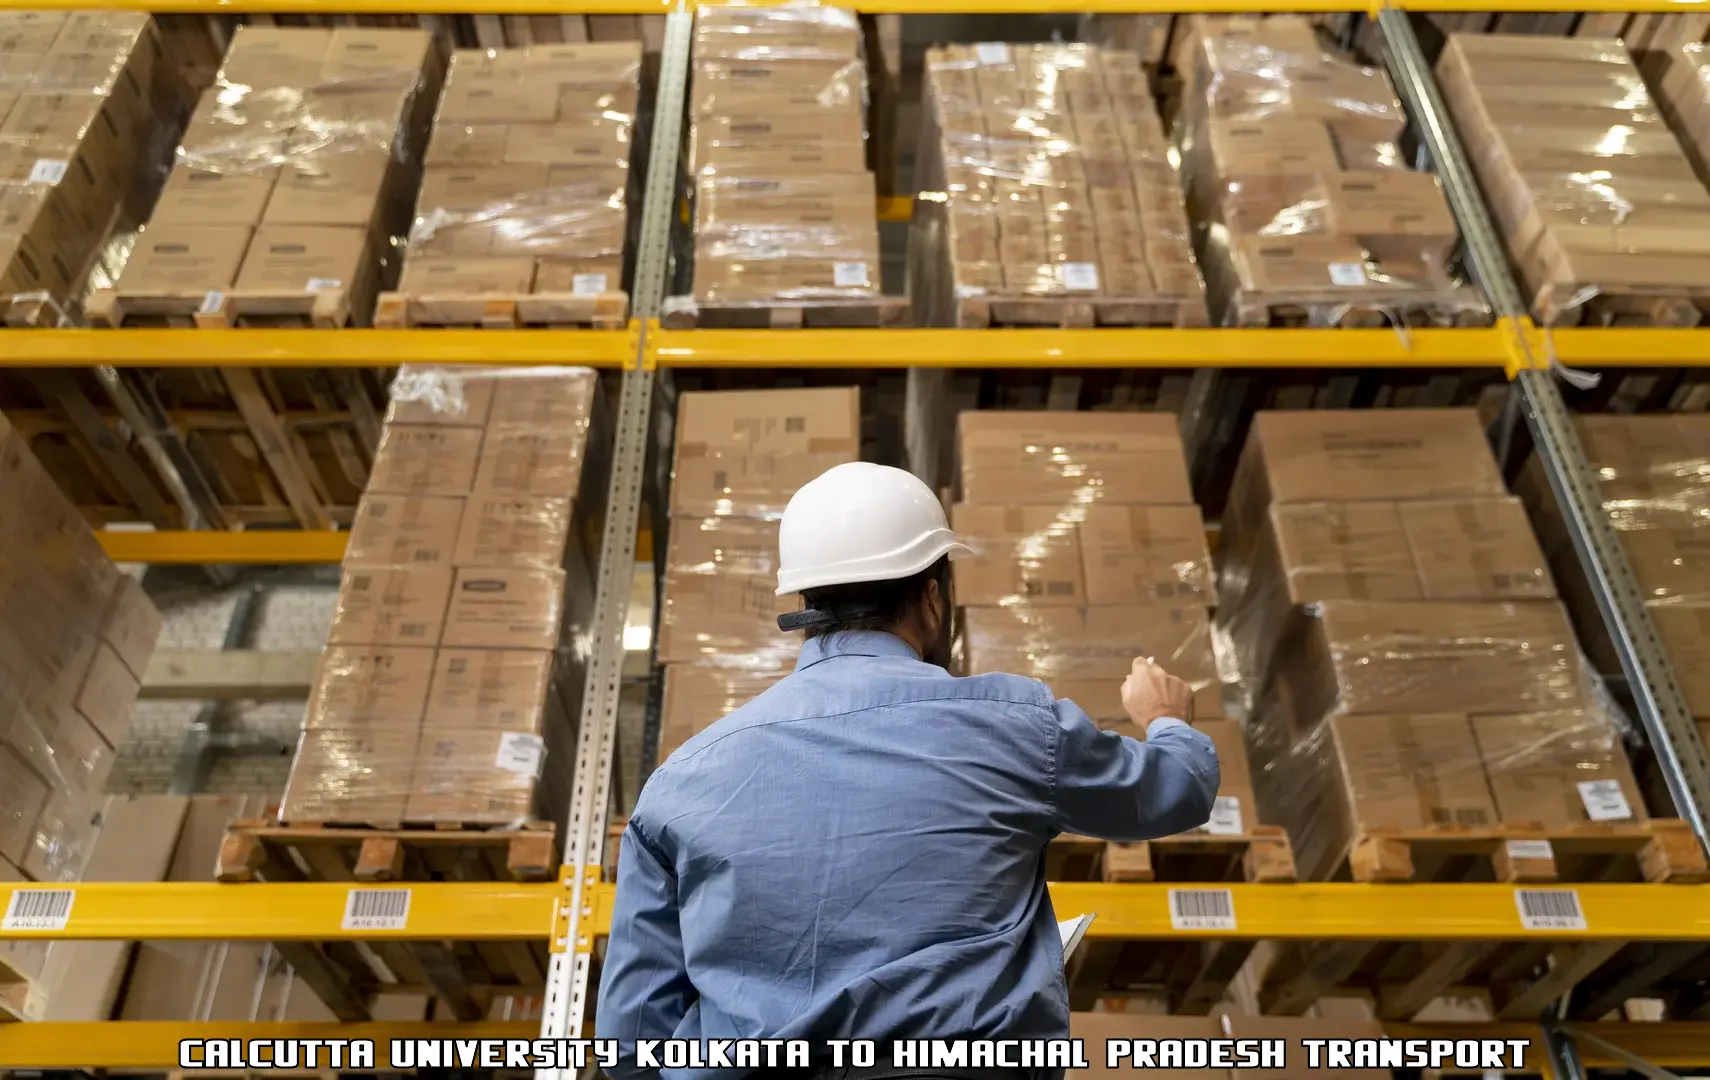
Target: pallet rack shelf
(572,913)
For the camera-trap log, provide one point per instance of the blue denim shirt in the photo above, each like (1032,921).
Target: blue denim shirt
(859,853)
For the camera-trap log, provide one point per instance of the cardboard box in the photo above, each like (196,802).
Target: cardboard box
(556,400)
(1410,772)
(515,531)
(359,687)
(372,54)
(82,758)
(1094,1028)
(131,625)
(22,795)
(303,259)
(490,690)
(1092,650)
(485,777)
(720,581)
(391,606)
(442,394)
(425,460)
(1557,769)
(357,777)
(1381,659)
(1685,633)
(180,258)
(1022,555)
(270,56)
(745,452)
(1071,458)
(108,692)
(1237,808)
(429,275)
(698,695)
(1301,264)
(531,461)
(1145,555)
(204,198)
(1475,549)
(342,188)
(505,609)
(400,530)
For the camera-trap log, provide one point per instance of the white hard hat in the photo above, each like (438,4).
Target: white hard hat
(861,522)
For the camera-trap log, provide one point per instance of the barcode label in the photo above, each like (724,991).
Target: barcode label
(1081,277)
(48,171)
(1225,817)
(588,284)
(520,753)
(1347,274)
(849,275)
(1202,909)
(1529,849)
(38,909)
(1604,800)
(376,909)
(992,52)
(1549,909)
(211,302)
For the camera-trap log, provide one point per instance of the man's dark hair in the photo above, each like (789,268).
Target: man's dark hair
(873,605)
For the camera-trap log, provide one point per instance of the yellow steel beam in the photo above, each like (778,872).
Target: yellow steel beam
(1673,1044)
(1115,348)
(500,911)
(311,347)
(254,547)
(1623,347)
(879,7)
(298,911)
(141,1044)
(896,207)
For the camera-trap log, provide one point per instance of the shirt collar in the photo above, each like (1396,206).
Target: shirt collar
(853,643)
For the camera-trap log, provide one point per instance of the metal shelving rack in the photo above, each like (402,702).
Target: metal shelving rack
(574,912)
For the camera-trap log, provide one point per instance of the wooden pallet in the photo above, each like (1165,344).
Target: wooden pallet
(1559,304)
(339,853)
(504,311)
(213,310)
(684,313)
(1263,854)
(466,975)
(1468,310)
(34,310)
(1404,978)
(1078,313)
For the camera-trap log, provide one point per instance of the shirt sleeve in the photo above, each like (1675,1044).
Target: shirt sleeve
(1112,787)
(645,990)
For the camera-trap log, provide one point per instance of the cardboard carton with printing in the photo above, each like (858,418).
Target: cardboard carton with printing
(744,453)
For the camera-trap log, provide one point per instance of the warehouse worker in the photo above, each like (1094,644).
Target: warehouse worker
(859,852)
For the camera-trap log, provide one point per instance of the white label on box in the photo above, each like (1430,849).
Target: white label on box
(992,52)
(1082,277)
(1202,909)
(1549,909)
(48,171)
(849,275)
(316,284)
(1225,817)
(211,302)
(376,909)
(1604,800)
(1529,849)
(588,284)
(1347,274)
(38,909)
(520,753)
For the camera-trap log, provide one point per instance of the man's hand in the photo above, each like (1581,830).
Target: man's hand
(1150,692)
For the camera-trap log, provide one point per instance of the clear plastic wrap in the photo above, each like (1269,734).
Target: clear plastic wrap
(75,640)
(294,171)
(526,186)
(698,694)
(784,204)
(743,453)
(82,95)
(1306,209)
(458,638)
(1600,206)
(720,610)
(1056,180)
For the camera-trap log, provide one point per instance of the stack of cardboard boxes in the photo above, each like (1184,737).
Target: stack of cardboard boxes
(1653,474)
(1391,610)
(1294,175)
(1679,76)
(86,98)
(440,696)
(1057,179)
(784,203)
(740,456)
(1586,183)
(75,640)
(1089,552)
(296,170)
(527,180)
